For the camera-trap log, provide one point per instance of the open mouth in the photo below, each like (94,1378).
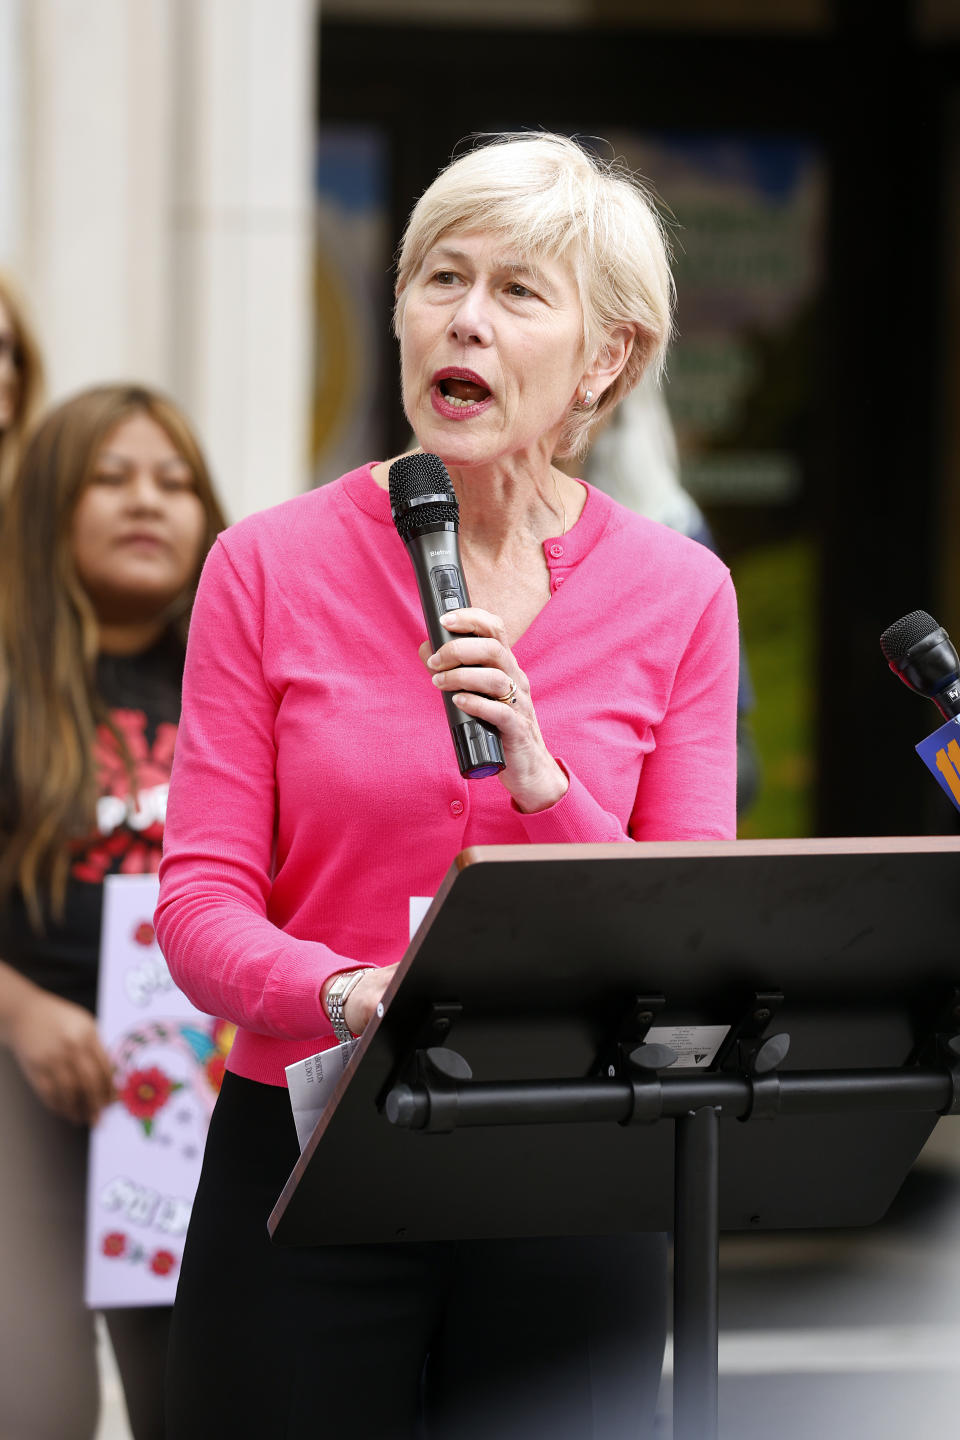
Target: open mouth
(462,393)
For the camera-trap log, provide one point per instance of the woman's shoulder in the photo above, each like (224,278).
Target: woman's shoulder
(319,529)
(290,520)
(653,547)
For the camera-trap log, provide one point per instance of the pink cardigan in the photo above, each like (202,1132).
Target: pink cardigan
(314,787)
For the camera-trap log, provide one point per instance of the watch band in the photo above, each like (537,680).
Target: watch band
(343,982)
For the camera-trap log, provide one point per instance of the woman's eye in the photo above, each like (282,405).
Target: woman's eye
(109,477)
(519,291)
(177,482)
(445,277)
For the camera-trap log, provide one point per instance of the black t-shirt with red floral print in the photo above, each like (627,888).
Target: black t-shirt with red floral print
(142,694)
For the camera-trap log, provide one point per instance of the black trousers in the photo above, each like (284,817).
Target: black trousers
(473,1340)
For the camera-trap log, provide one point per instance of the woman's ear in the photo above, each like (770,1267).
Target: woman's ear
(608,362)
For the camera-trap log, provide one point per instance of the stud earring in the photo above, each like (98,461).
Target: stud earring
(588,398)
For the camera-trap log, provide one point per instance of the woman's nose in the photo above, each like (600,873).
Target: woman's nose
(471,323)
(144,493)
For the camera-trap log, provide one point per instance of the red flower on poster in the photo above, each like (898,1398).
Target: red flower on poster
(114,1244)
(144,934)
(145,1092)
(162,1262)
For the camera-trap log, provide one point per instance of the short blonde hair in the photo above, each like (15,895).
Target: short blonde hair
(552,198)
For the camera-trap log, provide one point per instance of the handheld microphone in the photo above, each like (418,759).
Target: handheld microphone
(425,510)
(921,653)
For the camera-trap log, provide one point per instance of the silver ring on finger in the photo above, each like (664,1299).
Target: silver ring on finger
(511,696)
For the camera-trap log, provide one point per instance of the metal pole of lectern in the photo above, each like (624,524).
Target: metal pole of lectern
(696,1238)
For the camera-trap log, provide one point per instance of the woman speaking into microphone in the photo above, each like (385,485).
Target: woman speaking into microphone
(315,790)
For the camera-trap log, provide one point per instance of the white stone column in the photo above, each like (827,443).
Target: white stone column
(242,238)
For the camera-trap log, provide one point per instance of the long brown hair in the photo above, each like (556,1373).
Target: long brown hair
(29,365)
(49,707)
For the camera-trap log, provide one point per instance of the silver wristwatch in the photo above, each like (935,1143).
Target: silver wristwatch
(343,983)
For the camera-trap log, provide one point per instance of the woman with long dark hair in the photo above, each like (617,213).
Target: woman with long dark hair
(106,527)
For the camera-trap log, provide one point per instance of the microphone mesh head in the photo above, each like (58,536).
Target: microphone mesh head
(421,493)
(900,637)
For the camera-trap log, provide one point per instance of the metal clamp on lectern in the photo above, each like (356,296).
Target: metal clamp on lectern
(422,1095)
(432,1102)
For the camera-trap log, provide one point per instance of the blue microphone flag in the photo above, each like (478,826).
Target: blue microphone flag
(940,752)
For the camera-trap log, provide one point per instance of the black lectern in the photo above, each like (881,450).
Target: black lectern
(560,1003)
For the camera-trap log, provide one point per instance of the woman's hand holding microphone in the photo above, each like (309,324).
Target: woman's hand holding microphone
(478,667)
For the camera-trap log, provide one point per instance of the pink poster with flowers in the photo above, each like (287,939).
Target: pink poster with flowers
(145,1152)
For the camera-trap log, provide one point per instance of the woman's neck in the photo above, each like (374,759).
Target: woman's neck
(500,508)
(500,504)
(505,516)
(128,639)
(506,505)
